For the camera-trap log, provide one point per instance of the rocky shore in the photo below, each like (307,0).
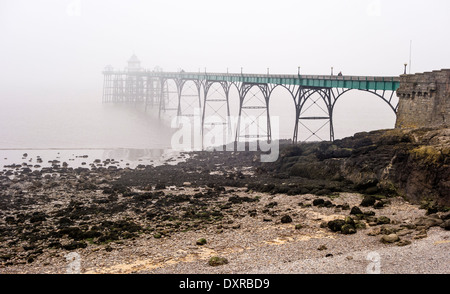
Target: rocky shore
(228,212)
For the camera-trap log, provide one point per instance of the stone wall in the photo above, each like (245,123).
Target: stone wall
(424,100)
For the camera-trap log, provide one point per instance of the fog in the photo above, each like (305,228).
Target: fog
(56,50)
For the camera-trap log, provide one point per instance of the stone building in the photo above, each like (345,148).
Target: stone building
(424,100)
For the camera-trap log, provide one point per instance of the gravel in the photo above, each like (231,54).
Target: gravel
(263,244)
(426,256)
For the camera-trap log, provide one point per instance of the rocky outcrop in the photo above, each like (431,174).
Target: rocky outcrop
(413,163)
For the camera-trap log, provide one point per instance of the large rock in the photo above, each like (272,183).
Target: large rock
(429,221)
(286,219)
(413,163)
(446,224)
(368,200)
(348,229)
(336,225)
(356,210)
(390,238)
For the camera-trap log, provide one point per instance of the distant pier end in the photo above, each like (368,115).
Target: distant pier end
(424,100)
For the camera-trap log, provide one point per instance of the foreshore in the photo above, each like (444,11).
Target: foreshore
(257,218)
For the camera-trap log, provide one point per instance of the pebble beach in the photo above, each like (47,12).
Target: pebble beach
(54,218)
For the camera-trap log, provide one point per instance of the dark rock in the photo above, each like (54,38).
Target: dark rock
(201,241)
(386,230)
(344,206)
(328,203)
(369,213)
(429,221)
(286,219)
(378,204)
(38,217)
(319,201)
(432,210)
(240,199)
(64,221)
(26,170)
(367,186)
(349,220)
(336,225)
(55,245)
(383,220)
(368,200)
(322,192)
(272,204)
(216,261)
(445,216)
(10,220)
(356,210)
(348,229)
(446,225)
(74,245)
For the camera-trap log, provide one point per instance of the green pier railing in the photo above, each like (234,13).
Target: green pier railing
(319,81)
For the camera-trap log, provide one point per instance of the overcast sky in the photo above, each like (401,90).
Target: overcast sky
(63,45)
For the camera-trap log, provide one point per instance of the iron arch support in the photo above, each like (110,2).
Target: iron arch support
(394,108)
(180,85)
(225,86)
(327,97)
(266,90)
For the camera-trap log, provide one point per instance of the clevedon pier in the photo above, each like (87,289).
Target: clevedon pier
(203,94)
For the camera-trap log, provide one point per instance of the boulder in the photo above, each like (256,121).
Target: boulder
(349,220)
(336,225)
(201,241)
(286,219)
(328,203)
(378,204)
(392,238)
(319,201)
(216,261)
(368,200)
(356,210)
(348,229)
(446,225)
(445,216)
(429,221)
(382,220)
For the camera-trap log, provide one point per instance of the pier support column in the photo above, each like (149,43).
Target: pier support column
(254,103)
(169,97)
(216,101)
(325,111)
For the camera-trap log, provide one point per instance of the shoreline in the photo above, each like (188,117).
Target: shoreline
(36,159)
(153,219)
